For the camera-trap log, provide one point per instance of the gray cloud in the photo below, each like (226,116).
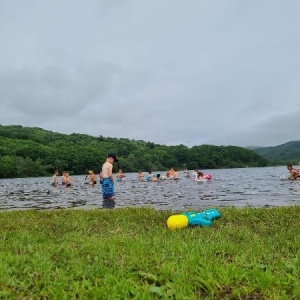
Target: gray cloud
(220,72)
(281,128)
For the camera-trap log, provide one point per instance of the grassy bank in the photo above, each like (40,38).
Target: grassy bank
(130,254)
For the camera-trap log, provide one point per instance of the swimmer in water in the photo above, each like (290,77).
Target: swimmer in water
(157,178)
(120,175)
(68,179)
(175,174)
(294,174)
(63,178)
(54,182)
(141,176)
(92,178)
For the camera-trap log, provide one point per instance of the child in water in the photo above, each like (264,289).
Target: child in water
(169,174)
(200,176)
(63,178)
(68,179)
(92,178)
(175,174)
(54,182)
(120,175)
(141,176)
(149,176)
(157,178)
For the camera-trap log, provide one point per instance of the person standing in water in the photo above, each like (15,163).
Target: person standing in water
(63,178)
(68,180)
(108,190)
(54,179)
(293,172)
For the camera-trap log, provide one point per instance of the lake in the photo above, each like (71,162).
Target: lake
(255,187)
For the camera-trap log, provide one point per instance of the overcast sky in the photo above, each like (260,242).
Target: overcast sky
(222,72)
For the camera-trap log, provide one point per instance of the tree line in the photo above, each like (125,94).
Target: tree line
(32,151)
(287,153)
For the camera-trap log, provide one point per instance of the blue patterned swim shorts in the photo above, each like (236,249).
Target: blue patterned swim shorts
(108,190)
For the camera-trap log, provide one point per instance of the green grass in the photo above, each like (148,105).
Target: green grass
(130,254)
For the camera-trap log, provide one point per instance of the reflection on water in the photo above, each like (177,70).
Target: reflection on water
(233,187)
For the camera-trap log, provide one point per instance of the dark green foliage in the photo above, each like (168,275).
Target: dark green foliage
(31,151)
(281,154)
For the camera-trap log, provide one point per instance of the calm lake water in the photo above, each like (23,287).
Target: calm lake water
(257,187)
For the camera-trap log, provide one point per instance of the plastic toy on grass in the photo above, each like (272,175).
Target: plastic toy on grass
(186,219)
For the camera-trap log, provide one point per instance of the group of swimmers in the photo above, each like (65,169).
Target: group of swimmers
(171,174)
(91,179)
(107,179)
(148,177)
(66,179)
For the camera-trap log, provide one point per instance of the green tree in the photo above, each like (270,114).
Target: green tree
(7,167)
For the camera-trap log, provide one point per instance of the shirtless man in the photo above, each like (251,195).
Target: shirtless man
(293,172)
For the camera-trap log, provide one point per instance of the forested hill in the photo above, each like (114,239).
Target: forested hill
(31,151)
(281,154)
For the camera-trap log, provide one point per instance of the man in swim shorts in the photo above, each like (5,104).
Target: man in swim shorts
(108,191)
